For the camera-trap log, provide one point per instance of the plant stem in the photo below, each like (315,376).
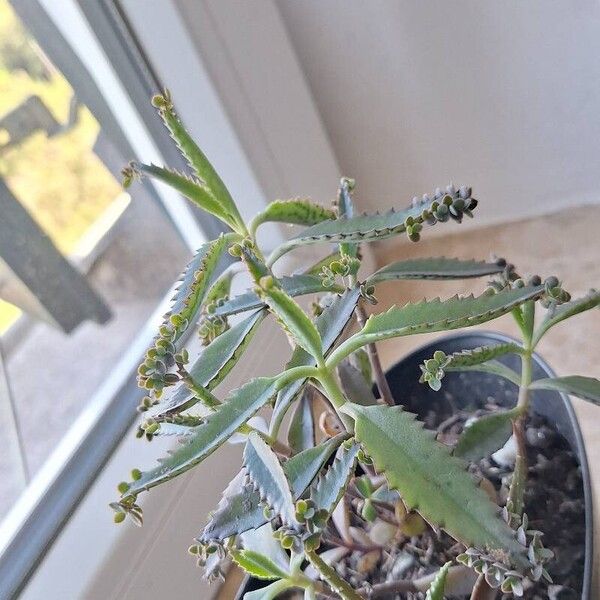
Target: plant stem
(380,378)
(330,575)
(334,395)
(517,487)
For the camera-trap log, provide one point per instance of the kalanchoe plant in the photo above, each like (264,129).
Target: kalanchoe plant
(284,514)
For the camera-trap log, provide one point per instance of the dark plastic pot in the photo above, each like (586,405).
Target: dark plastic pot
(403,378)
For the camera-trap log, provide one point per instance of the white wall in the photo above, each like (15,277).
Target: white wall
(504,96)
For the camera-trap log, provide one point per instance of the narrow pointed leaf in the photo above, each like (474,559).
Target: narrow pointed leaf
(256,564)
(242,404)
(587,388)
(362,228)
(240,508)
(192,189)
(482,437)
(296,212)
(567,310)
(301,432)
(494,367)
(195,283)
(295,321)
(330,324)
(476,356)
(329,487)
(436,589)
(356,388)
(434,268)
(436,315)
(200,164)
(268,477)
(431,480)
(346,211)
(213,365)
(296,285)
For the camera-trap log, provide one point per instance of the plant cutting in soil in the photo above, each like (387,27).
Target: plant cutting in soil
(326,505)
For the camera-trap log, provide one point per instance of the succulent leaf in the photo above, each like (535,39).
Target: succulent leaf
(301,432)
(256,564)
(213,365)
(242,404)
(587,388)
(476,359)
(296,285)
(436,589)
(430,480)
(191,188)
(485,435)
(268,477)
(270,592)
(296,212)
(345,207)
(356,388)
(368,227)
(329,487)
(436,315)
(566,311)
(240,509)
(200,164)
(435,268)
(293,319)
(186,303)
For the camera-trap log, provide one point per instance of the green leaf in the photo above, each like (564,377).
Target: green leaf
(330,324)
(296,212)
(256,564)
(201,165)
(240,509)
(434,268)
(293,319)
(476,356)
(587,388)
(221,288)
(192,189)
(301,432)
(186,304)
(485,435)
(195,282)
(362,228)
(567,310)
(269,478)
(242,404)
(296,285)
(262,540)
(436,590)
(436,315)
(213,365)
(329,487)
(270,592)
(346,211)
(430,480)
(493,367)
(356,388)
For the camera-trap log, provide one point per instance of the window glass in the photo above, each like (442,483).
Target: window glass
(82,264)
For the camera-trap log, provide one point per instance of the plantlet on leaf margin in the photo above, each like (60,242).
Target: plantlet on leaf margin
(289,495)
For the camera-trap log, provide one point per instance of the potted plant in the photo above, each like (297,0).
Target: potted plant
(362,501)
